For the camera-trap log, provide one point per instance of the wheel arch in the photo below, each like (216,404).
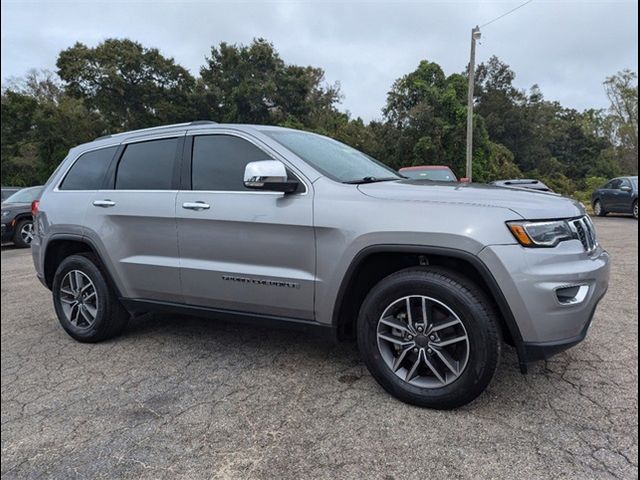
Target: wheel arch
(62,246)
(374,263)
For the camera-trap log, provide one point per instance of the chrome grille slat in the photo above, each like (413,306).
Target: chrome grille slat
(586,233)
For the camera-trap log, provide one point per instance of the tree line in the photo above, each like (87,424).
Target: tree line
(121,85)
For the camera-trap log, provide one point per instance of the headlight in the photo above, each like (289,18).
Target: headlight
(542,234)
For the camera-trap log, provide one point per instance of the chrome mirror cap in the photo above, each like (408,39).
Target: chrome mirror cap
(268,175)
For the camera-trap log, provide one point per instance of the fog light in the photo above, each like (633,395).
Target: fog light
(572,295)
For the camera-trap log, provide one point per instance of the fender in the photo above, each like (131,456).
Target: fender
(482,269)
(92,246)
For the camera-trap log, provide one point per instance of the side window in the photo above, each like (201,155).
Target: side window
(624,183)
(147,165)
(87,173)
(615,184)
(219,161)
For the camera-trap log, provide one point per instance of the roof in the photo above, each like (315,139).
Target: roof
(158,128)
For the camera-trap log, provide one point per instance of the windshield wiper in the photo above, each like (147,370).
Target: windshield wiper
(371,180)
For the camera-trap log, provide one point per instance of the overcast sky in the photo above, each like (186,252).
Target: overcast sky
(567,47)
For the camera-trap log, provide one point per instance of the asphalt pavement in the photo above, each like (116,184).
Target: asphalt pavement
(182,397)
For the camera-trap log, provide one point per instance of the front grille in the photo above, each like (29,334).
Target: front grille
(586,232)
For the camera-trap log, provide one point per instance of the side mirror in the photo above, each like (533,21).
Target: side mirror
(464,180)
(626,188)
(269,175)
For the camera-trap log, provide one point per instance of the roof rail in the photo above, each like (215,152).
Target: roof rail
(158,128)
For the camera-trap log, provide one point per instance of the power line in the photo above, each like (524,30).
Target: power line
(505,14)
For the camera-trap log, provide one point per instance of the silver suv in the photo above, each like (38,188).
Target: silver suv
(272,225)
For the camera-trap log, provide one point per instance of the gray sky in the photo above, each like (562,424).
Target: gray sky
(567,47)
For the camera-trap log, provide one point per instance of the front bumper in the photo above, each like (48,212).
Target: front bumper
(7,231)
(532,281)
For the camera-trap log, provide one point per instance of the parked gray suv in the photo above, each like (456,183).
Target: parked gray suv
(273,225)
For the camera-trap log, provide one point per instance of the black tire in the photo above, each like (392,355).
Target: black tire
(473,309)
(598,209)
(634,211)
(111,317)
(18,241)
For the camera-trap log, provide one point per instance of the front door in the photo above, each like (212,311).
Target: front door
(242,250)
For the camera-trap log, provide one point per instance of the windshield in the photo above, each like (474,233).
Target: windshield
(439,175)
(333,159)
(26,195)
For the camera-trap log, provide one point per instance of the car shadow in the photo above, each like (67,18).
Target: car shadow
(201,335)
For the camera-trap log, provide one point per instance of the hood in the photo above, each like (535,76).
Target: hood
(529,204)
(13,207)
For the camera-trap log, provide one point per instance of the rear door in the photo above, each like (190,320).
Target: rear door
(242,250)
(132,222)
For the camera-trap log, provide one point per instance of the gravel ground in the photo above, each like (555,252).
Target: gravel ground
(178,397)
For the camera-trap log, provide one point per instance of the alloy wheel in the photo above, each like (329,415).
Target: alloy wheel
(26,233)
(79,299)
(423,341)
(597,208)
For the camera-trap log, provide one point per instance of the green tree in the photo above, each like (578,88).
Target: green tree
(622,91)
(129,85)
(39,125)
(252,84)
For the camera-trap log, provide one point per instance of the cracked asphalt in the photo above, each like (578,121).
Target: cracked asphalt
(179,397)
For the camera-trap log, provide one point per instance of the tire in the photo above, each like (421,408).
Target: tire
(598,209)
(451,298)
(109,316)
(634,211)
(23,234)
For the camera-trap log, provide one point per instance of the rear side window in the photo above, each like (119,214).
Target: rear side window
(219,161)
(87,173)
(147,165)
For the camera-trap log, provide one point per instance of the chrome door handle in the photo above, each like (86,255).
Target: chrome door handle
(104,203)
(196,206)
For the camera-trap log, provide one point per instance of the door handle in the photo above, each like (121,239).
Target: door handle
(104,203)
(196,206)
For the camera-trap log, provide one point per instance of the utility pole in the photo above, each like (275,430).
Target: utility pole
(475,35)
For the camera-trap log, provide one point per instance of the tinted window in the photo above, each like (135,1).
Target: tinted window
(89,170)
(219,161)
(614,184)
(147,165)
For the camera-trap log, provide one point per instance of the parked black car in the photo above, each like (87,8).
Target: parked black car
(619,195)
(17,223)
(8,191)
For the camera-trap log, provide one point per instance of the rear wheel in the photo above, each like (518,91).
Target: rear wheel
(23,235)
(429,337)
(86,305)
(598,209)
(635,209)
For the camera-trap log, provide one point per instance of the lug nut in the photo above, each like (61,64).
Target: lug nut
(415,350)
(419,329)
(429,351)
(432,337)
(410,337)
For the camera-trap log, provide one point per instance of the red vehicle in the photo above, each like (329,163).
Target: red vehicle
(438,173)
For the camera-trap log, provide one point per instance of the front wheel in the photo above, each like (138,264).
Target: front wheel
(635,209)
(598,209)
(429,337)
